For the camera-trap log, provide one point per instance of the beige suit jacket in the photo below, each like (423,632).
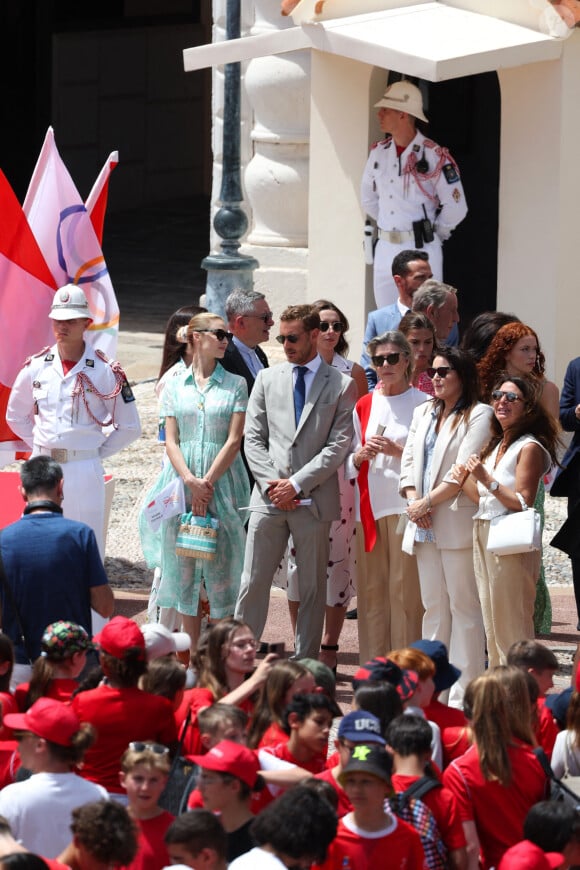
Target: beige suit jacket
(310,453)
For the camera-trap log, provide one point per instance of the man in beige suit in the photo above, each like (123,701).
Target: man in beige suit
(298,432)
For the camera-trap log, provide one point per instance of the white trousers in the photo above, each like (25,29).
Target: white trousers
(452,610)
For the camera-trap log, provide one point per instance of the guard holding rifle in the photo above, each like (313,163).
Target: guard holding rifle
(411,187)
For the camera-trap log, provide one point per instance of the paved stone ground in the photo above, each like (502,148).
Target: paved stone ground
(135,470)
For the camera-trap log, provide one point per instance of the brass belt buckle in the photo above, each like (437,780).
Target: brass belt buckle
(59,454)
(395,237)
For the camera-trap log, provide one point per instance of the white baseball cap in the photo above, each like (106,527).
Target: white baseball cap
(404,97)
(69,303)
(159,641)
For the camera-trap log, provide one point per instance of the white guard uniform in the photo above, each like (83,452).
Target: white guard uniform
(44,413)
(393,192)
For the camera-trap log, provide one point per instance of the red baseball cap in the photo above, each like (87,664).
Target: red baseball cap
(47,718)
(527,856)
(233,758)
(120,635)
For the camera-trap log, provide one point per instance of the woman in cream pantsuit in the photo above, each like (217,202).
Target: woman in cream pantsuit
(450,428)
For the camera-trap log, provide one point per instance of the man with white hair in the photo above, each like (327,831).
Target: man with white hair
(410,187)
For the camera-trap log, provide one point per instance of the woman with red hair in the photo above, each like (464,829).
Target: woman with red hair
(515,349)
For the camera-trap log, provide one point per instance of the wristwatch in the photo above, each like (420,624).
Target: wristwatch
(493,486)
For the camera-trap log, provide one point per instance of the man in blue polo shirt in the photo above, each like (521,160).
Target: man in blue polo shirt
(52,566)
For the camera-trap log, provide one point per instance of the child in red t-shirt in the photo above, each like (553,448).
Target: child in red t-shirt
(409,738)
(370,837)
(55,673)
(286,679)
(541,663)
(307,720)
(356,728)
(144,771)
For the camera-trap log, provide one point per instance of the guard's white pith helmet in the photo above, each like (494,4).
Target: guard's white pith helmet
(404,97)
(69,303)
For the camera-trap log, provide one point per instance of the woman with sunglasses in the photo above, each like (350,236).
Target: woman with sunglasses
(204,409)
(340,577)
(445,431)
(504,478)
(388,597)
(515,350)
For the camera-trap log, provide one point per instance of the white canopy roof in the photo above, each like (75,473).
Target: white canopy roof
(430,40)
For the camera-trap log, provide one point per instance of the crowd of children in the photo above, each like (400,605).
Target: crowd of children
(267,775)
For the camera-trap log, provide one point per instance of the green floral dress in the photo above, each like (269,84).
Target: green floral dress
(203,419)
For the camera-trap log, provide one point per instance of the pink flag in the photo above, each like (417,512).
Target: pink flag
(96,202)
(26,291)
(66,236)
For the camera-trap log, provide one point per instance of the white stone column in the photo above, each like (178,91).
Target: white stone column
(276,178)
(539,195)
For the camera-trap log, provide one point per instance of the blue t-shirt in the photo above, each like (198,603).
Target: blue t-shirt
(51,564)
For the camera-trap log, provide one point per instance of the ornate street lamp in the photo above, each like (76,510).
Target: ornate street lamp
(229,269)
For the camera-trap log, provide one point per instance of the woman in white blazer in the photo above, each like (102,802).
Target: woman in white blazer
(444,431)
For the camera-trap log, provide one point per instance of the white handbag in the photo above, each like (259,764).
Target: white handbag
(515,532)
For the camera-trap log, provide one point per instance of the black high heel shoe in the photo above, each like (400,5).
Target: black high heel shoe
(330,647)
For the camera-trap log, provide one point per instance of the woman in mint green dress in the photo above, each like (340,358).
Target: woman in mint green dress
(204,409)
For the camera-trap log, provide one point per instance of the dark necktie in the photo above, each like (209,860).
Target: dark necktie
(299,392)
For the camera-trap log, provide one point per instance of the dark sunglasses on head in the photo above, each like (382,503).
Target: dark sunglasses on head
(220,334)
(265,317)
(336,326)
(291,338)
(508,395)
(440,371)
(390,358)
(156,748)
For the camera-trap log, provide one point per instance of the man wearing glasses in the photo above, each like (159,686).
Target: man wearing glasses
(249,320)
(298,432)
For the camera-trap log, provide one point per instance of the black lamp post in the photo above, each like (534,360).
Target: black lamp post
(229,269)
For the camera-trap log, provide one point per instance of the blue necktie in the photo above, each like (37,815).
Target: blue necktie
(299,392)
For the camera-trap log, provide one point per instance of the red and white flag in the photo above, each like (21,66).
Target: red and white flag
(65,233)
(96,202)
(26,291)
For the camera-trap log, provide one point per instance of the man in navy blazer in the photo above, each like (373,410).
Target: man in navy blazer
(567,480)
(410,269)
(249,320)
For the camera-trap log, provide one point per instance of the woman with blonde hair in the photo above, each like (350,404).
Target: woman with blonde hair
(204,409)
(498,779)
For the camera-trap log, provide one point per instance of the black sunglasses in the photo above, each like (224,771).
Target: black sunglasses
(391,358)
(291,338)
(508,395)
(265,317)
(219,333)
(336,326)
(440,371)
